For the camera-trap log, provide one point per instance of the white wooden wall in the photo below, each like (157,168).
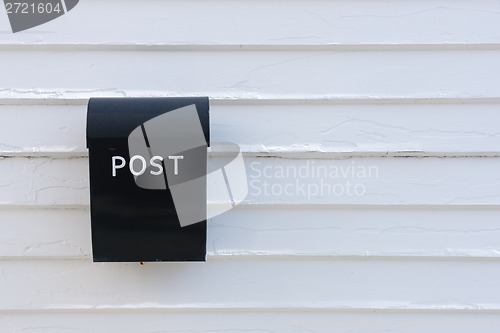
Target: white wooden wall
(412,87)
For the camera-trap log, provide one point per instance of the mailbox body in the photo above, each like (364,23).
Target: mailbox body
(130,223)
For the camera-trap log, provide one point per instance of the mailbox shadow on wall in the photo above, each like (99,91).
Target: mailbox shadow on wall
(148,159)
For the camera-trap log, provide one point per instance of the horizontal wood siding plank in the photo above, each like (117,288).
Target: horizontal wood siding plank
(44,233)
(253,284)
(45,181)
(357,129)
(353,181)
(248,231)
(263,321)
(361,231)
(256,74)
(269,23)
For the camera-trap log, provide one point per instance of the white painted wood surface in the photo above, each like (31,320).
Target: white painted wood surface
(295,321)
(51,182)
(320,283)
(256,73)
(285,128)
(272,23)
(410,87)
(253,231)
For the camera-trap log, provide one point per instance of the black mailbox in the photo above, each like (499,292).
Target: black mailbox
(148,161)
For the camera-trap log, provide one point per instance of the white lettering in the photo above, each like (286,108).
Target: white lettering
(114,166)
(153,163)
(131,166)
(176,162)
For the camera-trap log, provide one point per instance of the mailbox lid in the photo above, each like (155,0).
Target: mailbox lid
(111,120)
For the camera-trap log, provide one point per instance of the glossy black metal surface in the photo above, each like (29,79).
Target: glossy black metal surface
(129,223)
